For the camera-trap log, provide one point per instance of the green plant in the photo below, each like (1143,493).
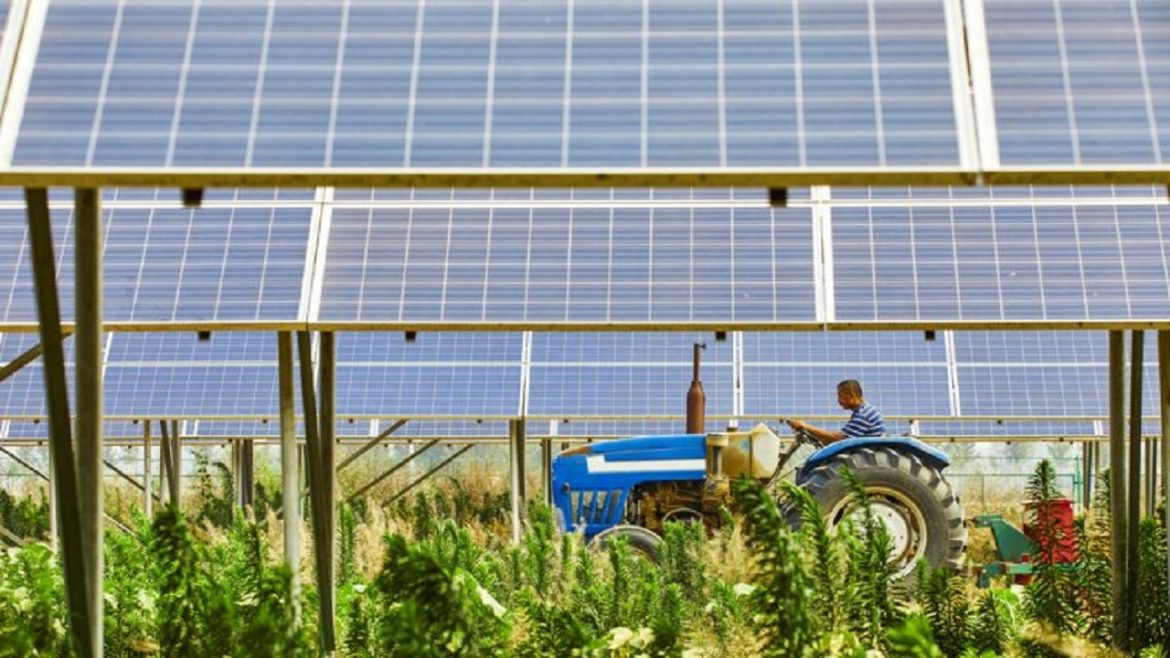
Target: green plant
(1052,597)
(869,599)
(432,609)
(25,517)
(32,603)
(825,550)
(781,599)
(214,492)
(1152,625)
(945,606)
(992,626)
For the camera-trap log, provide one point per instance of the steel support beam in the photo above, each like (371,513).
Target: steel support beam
(424,476)
(327,384)
(546,470)
(1086,475)
(147,476)
(82,619)
(1164,380)
(23,359)
(1134,495)
(87,344)
(176,464)
(170,463)
(393,469)
(320,504)
(352,457)
(36,471)
(289,476)
(516,473)
(1118,487)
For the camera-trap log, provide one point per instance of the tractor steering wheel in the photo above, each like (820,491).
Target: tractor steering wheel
(800,438)
(803,436)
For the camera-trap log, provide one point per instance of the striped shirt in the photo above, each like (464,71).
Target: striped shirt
(865,421)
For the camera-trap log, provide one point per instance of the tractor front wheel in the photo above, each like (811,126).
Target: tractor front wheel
(910,498)
(640,539)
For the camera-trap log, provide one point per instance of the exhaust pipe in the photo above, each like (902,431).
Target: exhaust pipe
(696,400)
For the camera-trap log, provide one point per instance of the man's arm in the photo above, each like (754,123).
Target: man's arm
(824,436)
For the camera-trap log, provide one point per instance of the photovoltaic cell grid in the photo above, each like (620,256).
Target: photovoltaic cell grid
(633,264)
(166,264)
(1001,262)
(446,83)
(1081,81)
(625,374)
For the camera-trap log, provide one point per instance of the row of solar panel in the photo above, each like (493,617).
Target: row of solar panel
(583,84)
(1013,262)
(996,374)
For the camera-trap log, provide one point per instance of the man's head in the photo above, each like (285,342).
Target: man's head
(849,394)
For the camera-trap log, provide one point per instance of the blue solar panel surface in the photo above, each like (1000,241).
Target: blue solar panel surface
(446,82)
(569,264)
(1081,81)
(1001,262)
(164,264)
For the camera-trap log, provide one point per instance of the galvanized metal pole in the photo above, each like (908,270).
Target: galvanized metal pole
(516,473)
(546,469)
(1086,475)
(322,542)
(54,501)
(177,465)
(327,374)
(147,483)
(87,344)
(1164,380)
(64,467)
(1134,497)
(289,480)
(1117,488)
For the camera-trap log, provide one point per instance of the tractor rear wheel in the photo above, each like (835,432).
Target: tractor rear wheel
(910,498)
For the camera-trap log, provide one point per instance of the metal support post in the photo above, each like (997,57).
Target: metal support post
(1134,496)
(546,470)
(327,375)
(1086,475)
(516,472)
(320,504)
(87,343)
(147,483)
(1151,448)
(236,471)
(1164,380)
(1117,487)
(64,467)
(170,471)
(289,480)
(177,464)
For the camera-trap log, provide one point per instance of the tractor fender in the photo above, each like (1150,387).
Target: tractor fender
(932,457)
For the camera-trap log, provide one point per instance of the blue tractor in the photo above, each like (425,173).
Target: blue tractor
(632,487)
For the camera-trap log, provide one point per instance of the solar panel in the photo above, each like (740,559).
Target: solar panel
(625,374)
(812,389)
(165,264)
(600,264)
(1000,263)
(1079,81)
(449,82)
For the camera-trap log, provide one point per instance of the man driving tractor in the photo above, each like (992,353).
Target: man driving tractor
(865,421)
